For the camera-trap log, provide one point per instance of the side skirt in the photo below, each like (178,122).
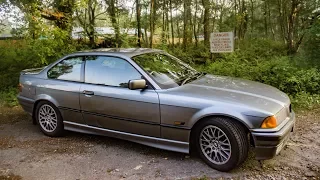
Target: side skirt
(160,143)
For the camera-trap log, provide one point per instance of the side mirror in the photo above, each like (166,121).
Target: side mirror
(137,84)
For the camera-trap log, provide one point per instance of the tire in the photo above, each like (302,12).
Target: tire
(214,151)
(49,119)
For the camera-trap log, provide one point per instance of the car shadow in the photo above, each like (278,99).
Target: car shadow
(109,142)
(23,130)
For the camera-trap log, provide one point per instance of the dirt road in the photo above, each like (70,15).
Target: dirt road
(26,153)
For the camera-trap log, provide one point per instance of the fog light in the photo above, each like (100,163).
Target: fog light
(269,122)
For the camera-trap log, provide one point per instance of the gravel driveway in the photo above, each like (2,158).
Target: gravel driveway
(25,153)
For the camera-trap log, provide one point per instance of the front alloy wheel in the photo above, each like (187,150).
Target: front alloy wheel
(221,142)
(215,145)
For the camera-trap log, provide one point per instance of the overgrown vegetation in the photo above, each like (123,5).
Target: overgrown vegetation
(264,61)
(277,41)
(261,60)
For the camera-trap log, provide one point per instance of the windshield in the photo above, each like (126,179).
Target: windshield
(166,70)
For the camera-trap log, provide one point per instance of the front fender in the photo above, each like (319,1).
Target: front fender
(247,120)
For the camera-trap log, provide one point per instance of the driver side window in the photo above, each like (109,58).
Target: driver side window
(110,71)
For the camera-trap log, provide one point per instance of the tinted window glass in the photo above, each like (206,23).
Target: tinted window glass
(109,71)
(167,71)
(69,69)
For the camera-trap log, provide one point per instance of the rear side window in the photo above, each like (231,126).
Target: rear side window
(68,69)
(110,71)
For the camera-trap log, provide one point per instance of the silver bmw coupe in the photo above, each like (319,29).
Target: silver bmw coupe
(150,97)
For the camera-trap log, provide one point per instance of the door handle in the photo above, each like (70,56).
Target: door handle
(88,92)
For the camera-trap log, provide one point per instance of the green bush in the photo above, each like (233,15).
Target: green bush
(17,55)
(246,51)
(277,72)
(304,100)
(258,60)
(9,97)
(309,55)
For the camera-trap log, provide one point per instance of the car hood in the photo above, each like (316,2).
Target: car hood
(225,89)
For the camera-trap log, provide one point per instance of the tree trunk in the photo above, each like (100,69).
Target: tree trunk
(167,23)
(91,16)
(291,26)
(114,22)
(270,23)
(178,31)
(186,23)
(206,22)
(138,11)
(146,40)
(236,19)
(252,17)
(282,20)
(200,22)
(172,30)
(146,35)
(195,24)
(32,27)
(221,16)
(152,20)
(244,20)
(163,33)
(265,18)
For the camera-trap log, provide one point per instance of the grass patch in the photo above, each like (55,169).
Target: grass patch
(305,101)
(9,97)
(10,177)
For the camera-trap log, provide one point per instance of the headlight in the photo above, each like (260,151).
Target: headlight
(269,122)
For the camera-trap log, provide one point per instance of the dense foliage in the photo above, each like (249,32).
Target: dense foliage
(264,61)
(260,60)
(277,41)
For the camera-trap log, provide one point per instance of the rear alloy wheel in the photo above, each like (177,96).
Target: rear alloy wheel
(221,142)
(49,119)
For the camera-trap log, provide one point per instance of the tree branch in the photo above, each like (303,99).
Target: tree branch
(82,23)
(100,13)
(50,15)
(103,19)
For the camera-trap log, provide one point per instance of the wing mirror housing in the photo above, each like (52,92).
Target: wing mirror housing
(137,84)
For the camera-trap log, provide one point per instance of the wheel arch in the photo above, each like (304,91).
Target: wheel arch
(204,118)
(237,120)
(40,98)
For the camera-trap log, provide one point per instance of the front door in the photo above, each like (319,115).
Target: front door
(107,102)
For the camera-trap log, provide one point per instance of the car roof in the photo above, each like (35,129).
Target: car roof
(130,52)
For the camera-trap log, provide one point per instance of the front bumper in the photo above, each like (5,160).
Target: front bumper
(269,143)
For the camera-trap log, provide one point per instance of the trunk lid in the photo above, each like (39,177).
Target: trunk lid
(32,70)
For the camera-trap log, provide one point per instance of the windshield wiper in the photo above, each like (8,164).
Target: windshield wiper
(192,77)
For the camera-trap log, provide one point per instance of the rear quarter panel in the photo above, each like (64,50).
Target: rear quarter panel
(63,94)
(28,86)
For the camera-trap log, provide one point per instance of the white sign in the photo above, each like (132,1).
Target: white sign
(221,42)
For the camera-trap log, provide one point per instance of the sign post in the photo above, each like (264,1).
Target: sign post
(221,42)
